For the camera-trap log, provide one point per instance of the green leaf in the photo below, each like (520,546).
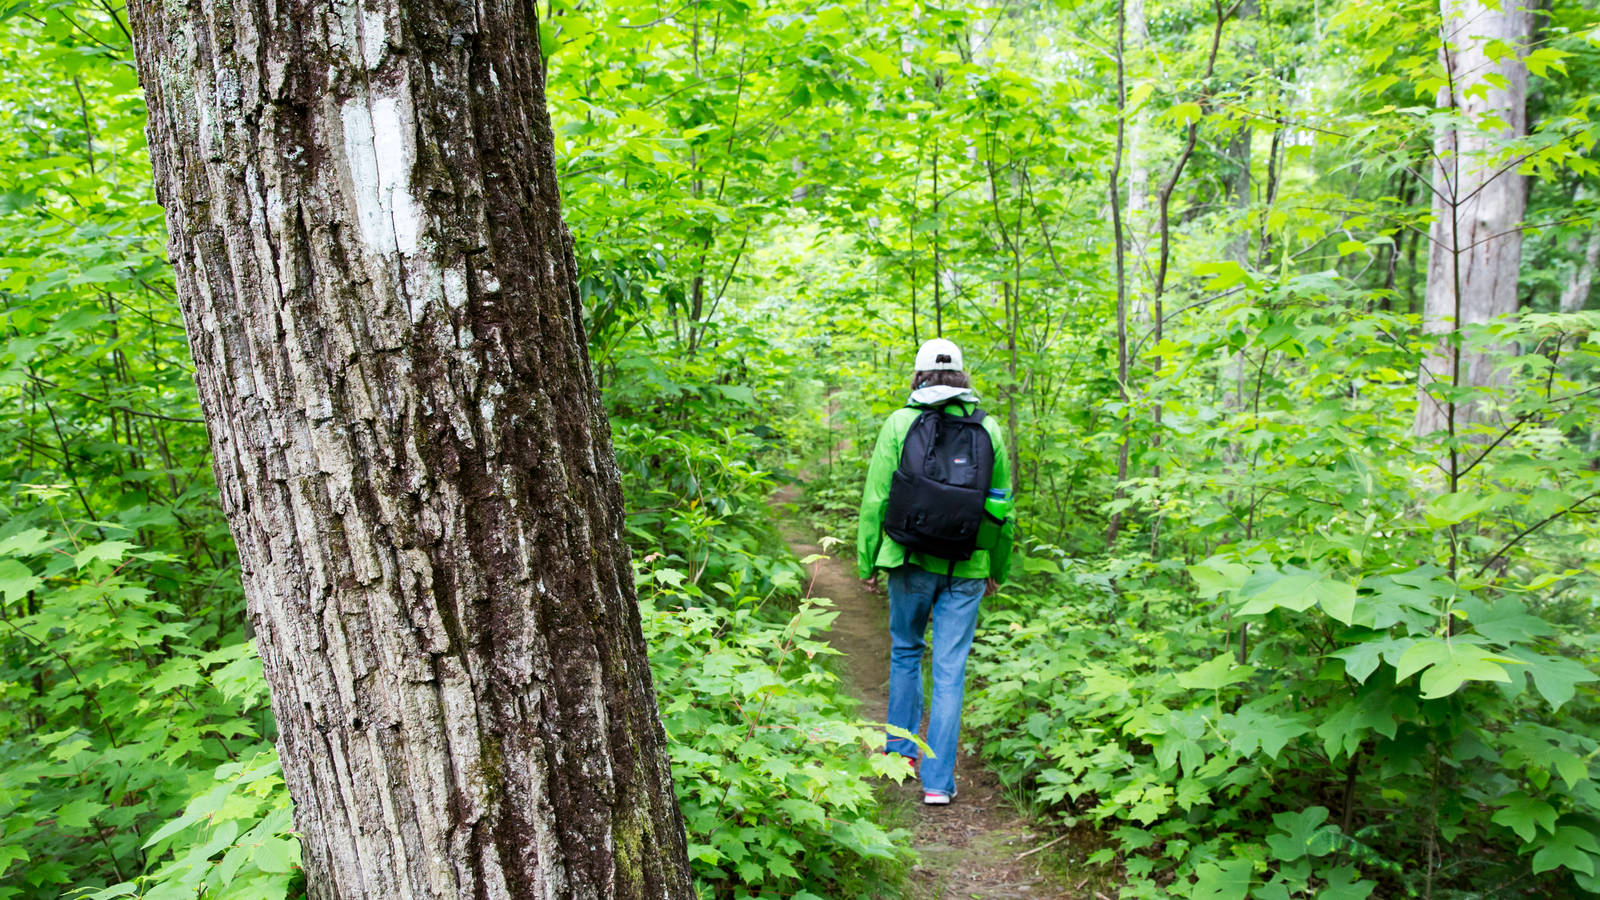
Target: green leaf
(1215,674)
(1286,591)
(1505,621)
(1217,576)
(1452,509)
(1225,881)
(1542,60)
(10,853)
(1345,883)
(79,813)
(1555,677)
(882,66)
(1037,564)
(277,855)
(1361,659)
(1525,815)
(16,580)
(1251,728)
(108,551)
(1302,834)
(1447,665)
(26,543)
(1337,599)
(1570,847)
(1184,113)
(1224,274)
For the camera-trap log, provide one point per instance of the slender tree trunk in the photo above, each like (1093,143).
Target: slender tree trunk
(1238,181)
(1138,138)
(380,298)
(1575,293)
(938,276)
(1115,184)
(1476,247)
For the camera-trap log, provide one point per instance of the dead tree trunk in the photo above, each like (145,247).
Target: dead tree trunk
(380,298)
(1476,247)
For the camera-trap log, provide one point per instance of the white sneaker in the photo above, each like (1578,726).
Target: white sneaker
(937,798)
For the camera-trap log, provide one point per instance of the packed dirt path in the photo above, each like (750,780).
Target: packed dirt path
(974,848)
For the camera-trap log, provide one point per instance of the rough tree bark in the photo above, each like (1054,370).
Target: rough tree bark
(1476,245)
(380,298)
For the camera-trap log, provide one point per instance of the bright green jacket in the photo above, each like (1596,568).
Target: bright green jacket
(876,550)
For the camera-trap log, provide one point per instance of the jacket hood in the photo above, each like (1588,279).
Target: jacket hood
(940,394)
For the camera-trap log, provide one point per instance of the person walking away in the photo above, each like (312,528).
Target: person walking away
(934,515)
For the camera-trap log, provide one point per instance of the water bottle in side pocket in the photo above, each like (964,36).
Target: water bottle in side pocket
(996,509)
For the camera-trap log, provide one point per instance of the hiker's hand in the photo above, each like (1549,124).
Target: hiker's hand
(871,583)
(991,587)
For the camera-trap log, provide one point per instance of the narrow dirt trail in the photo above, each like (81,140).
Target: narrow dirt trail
(971,848)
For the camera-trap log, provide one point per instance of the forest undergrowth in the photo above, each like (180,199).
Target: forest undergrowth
(1270,634)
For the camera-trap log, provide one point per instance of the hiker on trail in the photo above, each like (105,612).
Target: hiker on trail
(934,516)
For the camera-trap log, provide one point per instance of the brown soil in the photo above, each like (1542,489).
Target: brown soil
(971,848)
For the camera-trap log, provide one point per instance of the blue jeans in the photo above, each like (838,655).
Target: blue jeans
(917,596)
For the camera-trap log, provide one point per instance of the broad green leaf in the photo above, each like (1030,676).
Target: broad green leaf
(80,813)
(1225,881)
(1448,664)
(1301,834)
(1452,509)
(16,580)
(107,551)
(1361,659)
(1251,728)
(1215,674)
(1346,883)
(882,65)
(1217,576)
(1283,591)
(1525,815)
(1570,847)
(277,855)
(1505,621)
(26,543)
(1555,677)
(1337,599)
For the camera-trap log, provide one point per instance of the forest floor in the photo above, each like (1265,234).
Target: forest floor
(979,846)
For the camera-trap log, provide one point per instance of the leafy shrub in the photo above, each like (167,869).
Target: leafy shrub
(1316,666)
(111,708)
(772,770)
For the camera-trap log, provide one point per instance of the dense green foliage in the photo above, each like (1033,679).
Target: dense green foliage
(1297,651)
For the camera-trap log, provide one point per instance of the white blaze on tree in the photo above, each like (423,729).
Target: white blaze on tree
(381,302)
(1479,198)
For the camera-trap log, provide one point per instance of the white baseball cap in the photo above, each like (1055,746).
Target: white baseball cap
(938,354)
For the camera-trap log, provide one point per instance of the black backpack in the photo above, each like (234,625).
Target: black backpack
(936,496)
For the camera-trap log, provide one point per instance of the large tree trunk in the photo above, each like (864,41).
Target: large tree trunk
(1476,247)
(381,305)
